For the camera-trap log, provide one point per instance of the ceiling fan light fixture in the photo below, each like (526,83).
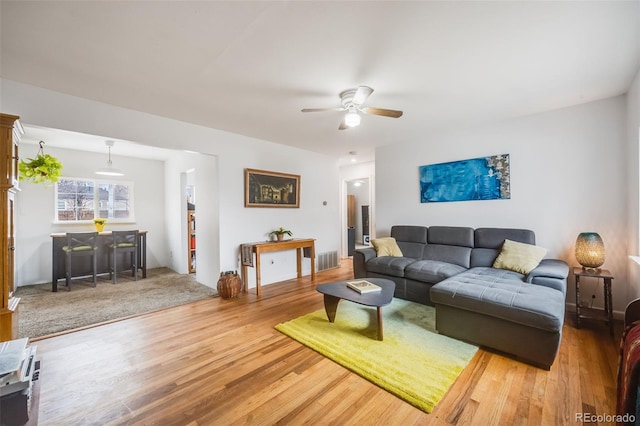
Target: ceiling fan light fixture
(352,100)
(352,119)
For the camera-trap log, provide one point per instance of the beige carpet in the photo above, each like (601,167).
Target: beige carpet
(42,312)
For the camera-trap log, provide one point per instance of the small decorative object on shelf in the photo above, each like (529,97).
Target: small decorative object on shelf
(42,169)
(280,233)
(229,284)
(99,222)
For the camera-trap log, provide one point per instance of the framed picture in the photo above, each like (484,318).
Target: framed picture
(484,178)
(271,189)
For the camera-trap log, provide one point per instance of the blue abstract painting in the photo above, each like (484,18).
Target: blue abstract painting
(485,178)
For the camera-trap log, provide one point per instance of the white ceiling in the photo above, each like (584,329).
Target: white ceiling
(33,135)
(250,67)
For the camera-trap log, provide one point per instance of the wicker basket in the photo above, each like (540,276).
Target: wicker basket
(229,285)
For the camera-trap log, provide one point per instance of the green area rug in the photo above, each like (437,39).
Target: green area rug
(413,362)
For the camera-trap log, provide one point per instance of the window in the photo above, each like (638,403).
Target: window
(80,200)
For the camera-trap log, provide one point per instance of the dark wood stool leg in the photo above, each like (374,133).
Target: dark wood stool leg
(109,260)
(68,272)
(115,266)
(94,257)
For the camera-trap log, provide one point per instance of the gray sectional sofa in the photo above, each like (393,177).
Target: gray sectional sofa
(451,269)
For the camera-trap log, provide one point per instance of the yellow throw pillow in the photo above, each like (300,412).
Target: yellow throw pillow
(519,257)
(386,247)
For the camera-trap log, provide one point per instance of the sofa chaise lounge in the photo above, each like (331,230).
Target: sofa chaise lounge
(452,268)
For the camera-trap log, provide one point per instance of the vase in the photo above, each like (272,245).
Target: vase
(229,285)
(280,237)
(99,227)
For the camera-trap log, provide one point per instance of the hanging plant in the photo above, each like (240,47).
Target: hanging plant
(42,169)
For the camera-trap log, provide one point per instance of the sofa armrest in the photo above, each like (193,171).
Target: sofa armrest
(551,273)
(360,259)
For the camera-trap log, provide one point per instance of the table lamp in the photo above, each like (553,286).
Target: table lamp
(590,250)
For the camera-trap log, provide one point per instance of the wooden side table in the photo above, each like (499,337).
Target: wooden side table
(299,244)
(605,314)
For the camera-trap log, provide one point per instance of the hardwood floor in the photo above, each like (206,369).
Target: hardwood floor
(221,362)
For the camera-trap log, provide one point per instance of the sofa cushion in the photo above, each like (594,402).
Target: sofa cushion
(411,239)
(451,236)
(389,265)
(432,271)
(460,256)
(488,243)
(494,237)
(410,233)
(502,294)
(519,257)
(483,257)
(386,247)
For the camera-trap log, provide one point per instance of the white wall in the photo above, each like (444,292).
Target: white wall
(568,175)
(35,207)
(633,191)
(234,224)
(207,219)
(206,182)
(318,183)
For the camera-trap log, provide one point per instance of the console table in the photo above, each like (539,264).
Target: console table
(80,269)
(303,246)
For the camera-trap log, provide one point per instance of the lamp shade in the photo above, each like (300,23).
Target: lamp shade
(590,250)
(109,171)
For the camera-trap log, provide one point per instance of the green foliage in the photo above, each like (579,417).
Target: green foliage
(42,169)
(281,231)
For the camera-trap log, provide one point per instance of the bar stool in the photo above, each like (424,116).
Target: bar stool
(81,244)
(123,242)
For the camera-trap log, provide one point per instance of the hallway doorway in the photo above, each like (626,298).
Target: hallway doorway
(359,211)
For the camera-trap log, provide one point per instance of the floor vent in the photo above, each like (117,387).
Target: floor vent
(328,260)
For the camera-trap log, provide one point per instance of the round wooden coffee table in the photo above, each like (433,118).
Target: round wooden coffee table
(335,292)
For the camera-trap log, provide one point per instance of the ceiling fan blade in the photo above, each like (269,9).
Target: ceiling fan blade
(321,109)
(384,112)
(343,126)
(362,94)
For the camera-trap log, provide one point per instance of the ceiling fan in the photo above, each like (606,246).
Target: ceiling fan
(352,100)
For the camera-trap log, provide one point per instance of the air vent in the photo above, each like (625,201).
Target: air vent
(328,260)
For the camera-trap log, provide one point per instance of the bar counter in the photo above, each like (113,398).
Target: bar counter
(82,266)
